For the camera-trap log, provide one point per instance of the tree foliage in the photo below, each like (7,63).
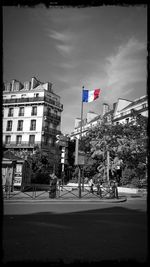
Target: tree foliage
(127,146)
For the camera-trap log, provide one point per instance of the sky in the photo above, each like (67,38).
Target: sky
(96,47)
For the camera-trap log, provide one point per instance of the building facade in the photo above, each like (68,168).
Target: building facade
(92,119)
(31,115)
(122,111)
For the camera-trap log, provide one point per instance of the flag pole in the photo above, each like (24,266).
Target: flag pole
(79,174)
(81,112)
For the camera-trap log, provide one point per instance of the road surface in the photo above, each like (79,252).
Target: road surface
(75,230)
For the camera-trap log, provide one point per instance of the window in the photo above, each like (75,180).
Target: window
(24,95)
(10,112)
(33,125)
(18,139)
(21,111)
(9,126)
(31,139)
(45,140)
(48,111)
(34,111)
(20,125)
(144,105)
(36,95)
(8,139)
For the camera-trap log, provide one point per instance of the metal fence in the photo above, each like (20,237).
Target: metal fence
(42,191)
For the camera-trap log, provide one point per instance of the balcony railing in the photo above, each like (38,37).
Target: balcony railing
(51,116)
(33,99)
(23,100)
(54,103)
(50,131)
(29,144)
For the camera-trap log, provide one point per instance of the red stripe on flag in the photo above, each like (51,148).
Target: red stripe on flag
(96,93)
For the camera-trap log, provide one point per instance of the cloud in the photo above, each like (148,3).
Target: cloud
(64,41)
(59,36)
(64,49)
(125,68)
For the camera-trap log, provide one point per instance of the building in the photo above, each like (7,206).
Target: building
(31,115)
(123,111)
(92,119)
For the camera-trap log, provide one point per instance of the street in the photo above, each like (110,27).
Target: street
(77,230)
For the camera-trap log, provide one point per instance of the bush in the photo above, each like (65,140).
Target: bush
(128,175)
(136,182)
(132,177)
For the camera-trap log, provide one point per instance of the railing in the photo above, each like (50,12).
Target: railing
(59,191)
(54,103)
(25,99)
(50,131)
(50,116)
(33,99)
(29,144)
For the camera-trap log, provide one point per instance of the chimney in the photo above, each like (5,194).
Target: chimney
(114,105)
(33,82)
(27,85)
(13,85)
(105,108)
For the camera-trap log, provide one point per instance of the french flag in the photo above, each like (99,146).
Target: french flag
(90,95)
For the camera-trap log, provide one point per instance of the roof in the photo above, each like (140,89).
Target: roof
(95,119)
(110,112)
(135,102)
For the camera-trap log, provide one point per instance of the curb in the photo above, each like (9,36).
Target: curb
(121,199)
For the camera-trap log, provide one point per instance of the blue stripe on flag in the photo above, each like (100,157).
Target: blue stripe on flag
(85,95)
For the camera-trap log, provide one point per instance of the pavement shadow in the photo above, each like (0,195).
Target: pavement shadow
(114,234)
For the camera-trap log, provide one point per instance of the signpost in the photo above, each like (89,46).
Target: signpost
(79,162)
(62,141)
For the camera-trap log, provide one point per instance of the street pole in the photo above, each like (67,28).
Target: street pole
(63,163)
(79,173)
(76,151)
(107,165)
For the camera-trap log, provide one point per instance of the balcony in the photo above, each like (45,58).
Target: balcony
(33,99)
(9,129)
(52,117)
(23,100)
(50,131)
(33,113)
(28,145)
(10,114)
(33,128)
(54,103)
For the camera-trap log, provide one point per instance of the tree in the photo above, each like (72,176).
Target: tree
(127,146)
